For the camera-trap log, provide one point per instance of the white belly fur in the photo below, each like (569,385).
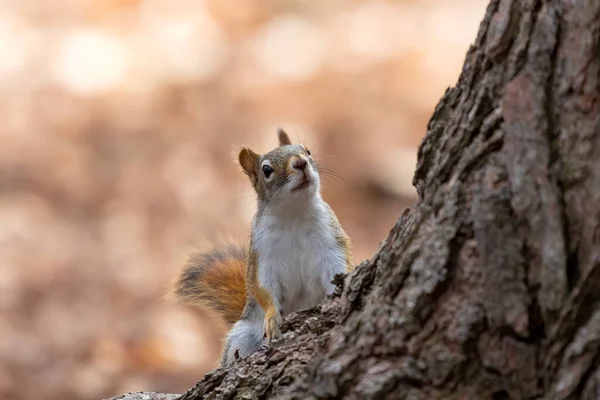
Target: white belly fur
(298,258)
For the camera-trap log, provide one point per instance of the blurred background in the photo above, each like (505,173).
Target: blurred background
(118,119)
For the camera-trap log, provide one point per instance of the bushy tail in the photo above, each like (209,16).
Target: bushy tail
(214,281)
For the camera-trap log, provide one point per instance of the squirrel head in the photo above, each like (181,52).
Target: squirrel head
(284,175)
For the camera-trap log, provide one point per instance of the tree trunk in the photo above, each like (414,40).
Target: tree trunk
(489,288)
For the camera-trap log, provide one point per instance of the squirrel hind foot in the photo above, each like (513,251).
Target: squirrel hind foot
(244,338)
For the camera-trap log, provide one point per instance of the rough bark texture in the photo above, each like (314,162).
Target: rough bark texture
(146,396)
(489,288)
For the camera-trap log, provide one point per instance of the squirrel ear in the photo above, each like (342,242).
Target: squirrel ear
(284,139)
(247,159)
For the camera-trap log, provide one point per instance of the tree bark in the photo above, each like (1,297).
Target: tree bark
(489,287)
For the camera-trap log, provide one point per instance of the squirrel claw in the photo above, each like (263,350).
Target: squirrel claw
(272,330)
(265,346)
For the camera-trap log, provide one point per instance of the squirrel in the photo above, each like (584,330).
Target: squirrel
(296,247)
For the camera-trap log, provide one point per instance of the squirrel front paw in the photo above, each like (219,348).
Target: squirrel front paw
(272,322)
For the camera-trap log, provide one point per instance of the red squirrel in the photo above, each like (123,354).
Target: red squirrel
(296,246)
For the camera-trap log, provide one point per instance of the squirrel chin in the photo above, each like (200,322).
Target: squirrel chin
(303,189)
(304,184)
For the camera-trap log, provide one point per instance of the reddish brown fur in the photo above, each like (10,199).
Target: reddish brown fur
(214,281)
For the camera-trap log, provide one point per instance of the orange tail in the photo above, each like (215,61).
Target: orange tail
(214,281)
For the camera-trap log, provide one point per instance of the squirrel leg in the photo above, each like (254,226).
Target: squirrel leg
(267,299)
(244,338)
(271,323)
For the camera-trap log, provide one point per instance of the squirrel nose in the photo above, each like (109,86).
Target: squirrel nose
(299,163)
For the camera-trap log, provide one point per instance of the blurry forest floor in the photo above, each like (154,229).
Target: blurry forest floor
(118,120)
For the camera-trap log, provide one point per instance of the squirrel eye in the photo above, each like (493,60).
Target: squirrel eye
(267,170)
(308,152)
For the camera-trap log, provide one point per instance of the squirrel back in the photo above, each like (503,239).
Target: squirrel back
(214,281)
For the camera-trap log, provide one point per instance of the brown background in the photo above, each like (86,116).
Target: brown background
(118,119)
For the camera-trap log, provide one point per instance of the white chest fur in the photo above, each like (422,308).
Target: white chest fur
(298,257)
